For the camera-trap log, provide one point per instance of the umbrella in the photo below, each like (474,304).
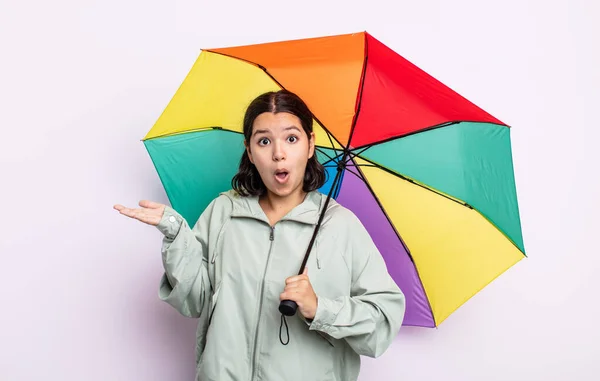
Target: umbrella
(428,173)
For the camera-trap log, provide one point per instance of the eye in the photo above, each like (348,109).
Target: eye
(263,142)
(292,139)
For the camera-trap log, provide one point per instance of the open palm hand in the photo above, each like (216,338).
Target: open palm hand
(150,212)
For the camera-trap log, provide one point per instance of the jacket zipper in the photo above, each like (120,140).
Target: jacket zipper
(262,290)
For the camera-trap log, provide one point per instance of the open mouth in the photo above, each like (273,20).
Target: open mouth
(281,176)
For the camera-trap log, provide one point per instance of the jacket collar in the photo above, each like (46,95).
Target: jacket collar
(306,212)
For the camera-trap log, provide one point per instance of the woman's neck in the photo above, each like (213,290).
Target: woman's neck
(275,207)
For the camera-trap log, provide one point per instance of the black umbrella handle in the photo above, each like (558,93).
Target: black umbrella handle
(289,307)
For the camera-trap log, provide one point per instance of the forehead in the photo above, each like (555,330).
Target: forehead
(271,122)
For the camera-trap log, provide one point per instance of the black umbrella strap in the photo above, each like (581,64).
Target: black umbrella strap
(287,330)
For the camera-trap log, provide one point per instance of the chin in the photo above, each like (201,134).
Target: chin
(280,192)
(283,191)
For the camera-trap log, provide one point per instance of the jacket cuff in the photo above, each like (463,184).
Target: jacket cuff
(326,314)
(306,321)
(170,223)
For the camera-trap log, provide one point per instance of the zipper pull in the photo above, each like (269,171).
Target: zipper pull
(272,236)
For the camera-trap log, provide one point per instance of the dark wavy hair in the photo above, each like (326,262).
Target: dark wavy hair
(247,181)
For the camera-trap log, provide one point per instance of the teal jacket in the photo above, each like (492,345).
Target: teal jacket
(230,268)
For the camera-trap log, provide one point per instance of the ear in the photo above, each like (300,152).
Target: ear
(248,152)
(311,145)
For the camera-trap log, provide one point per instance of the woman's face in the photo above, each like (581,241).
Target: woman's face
(280,149)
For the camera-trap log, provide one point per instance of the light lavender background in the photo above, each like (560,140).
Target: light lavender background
(82,81)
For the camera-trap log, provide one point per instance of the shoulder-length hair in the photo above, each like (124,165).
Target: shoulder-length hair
(247,181)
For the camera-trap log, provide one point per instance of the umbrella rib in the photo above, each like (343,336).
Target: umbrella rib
(363,150)
(349,162)
(363,178)
(348,154)
(331,141)
(200,129)
(359,95)
(326,165)
(347,166)
(460,202)
(351,171)
(351,165)
(264,69)
(197,129)
(365,147)
(320,150)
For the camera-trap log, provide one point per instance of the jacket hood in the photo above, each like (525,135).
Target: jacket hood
(306,212)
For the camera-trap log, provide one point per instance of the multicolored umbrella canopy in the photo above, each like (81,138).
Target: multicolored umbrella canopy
(429,174)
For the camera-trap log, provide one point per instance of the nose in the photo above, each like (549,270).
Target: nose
(278,152)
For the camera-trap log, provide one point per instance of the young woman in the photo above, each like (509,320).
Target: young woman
(237,263)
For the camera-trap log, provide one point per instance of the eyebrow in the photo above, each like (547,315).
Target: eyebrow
(266,131)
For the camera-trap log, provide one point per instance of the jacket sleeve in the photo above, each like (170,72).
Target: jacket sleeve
(185,284)
(370,318)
